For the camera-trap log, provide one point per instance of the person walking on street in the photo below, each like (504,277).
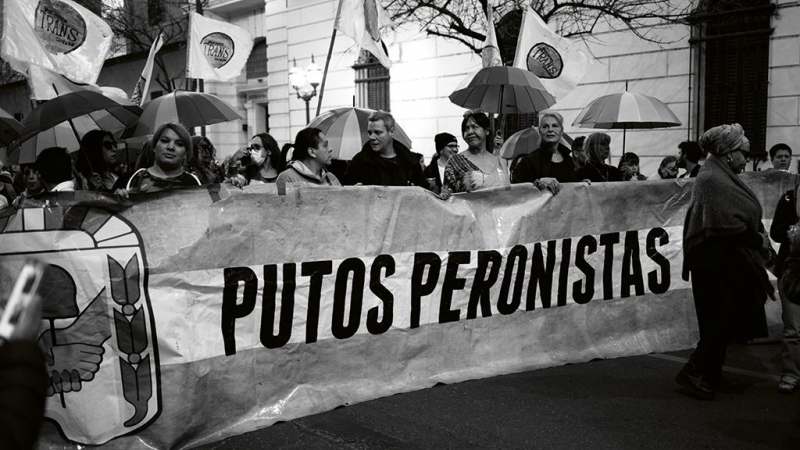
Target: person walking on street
(724,243)
(786,215)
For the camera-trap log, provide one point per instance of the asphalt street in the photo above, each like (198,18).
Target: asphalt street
(625,403)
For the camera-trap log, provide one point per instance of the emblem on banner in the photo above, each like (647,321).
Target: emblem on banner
(544,61)
(218,49)
(59,26)
(98,328)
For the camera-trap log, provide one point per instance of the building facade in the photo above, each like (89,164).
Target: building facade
(729,62)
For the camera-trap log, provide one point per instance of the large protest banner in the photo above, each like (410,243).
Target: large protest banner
(183,317)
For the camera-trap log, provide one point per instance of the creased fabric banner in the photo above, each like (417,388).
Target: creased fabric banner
(217,50)
(58,35)
(185,317)
(557,61)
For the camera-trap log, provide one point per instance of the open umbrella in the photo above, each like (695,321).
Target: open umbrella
(626,111)
(62,121)
(521,143)
(502,90)
(10,128)
(346,130)
(191,109)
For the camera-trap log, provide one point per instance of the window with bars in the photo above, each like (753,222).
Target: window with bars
(733,42)
(257,62)
(372,83)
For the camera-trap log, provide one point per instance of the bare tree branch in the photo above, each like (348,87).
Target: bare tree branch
(465,21)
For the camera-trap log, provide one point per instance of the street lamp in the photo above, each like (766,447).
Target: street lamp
(305,82)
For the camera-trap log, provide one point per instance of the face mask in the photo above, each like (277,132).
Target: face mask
(257,157)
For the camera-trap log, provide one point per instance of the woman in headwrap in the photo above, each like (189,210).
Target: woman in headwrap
(723,245)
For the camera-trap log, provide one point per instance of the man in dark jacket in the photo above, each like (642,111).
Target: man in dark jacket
(383,161)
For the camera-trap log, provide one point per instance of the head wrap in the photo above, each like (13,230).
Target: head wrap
(443,139)
(722,139)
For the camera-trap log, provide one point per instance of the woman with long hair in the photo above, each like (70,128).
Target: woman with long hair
(206,168)
(598,147)
(260,162)
(173,153)
(97,161)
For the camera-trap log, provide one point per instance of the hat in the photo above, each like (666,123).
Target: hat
(722,139)
(443,139)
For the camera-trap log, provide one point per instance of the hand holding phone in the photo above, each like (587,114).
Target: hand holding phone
(20,317)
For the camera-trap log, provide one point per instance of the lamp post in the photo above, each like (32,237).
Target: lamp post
(305,82)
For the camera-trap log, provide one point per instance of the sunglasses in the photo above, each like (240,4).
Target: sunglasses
(109,145)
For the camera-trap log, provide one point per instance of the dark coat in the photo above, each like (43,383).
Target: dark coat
(23,384)
(785,216)
(369,168)
(597,173)
(536,164)
(433,172)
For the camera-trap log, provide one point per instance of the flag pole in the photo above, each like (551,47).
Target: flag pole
(200,81)
(328,59)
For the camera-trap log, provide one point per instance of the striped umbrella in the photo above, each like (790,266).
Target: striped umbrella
(191,109)
(626,111)
(10,128)
(346,130)
(521,143)
(502,90)
(62,121)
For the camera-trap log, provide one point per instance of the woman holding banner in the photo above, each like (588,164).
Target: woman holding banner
(172,149)
(477,167)
(551,164)
(723,246)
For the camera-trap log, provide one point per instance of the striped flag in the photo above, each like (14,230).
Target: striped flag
(363,21)
(142,87)
(490,53)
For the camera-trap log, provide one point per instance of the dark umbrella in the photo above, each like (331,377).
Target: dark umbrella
(62,121)
(503,90)
(10,128)
(191,109)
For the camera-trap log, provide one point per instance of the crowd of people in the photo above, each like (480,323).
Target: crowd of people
(173,158)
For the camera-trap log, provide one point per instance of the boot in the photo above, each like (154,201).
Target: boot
(694,384)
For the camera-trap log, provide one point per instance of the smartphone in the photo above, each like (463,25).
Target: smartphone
(22,297)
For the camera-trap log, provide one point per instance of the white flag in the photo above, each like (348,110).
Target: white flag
(363,21)
(46,85)
(143,84)
(490,53)
(59,35)
(217,50)
(557,61)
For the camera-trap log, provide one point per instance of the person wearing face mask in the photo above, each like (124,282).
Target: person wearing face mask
(258,163)
(724,245)
(310,159)
(598,147)
(172,149)
(551,164)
